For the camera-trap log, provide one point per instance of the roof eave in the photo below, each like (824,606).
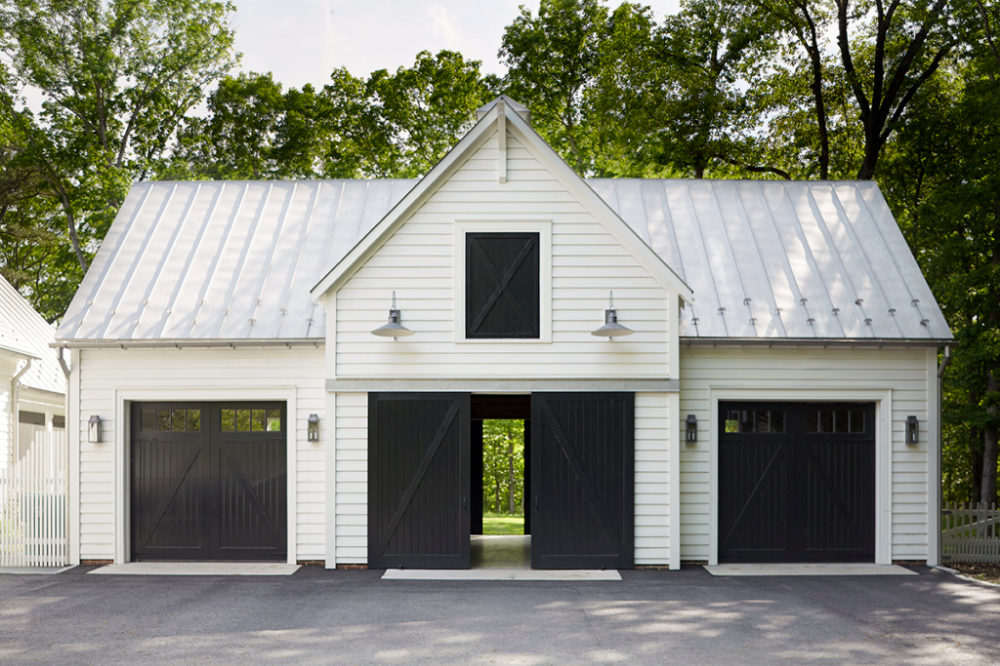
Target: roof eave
(19,353)
(815,342)
(189,343)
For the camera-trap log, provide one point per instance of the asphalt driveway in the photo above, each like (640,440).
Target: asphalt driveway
(351,617)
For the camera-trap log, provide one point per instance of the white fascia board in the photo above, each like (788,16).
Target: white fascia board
(599,208)
(388,225)
(190,343)
(19,354)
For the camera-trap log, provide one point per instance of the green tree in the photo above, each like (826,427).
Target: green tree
(116,79)
(677,95)
(884,52)
(254,131)
(503,466)
(942,175)
(35,254)
(400,124)
(552,61)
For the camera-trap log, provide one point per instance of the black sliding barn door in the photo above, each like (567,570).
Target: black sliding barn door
(418,480)
(582,480)
(208,481)
(796,482)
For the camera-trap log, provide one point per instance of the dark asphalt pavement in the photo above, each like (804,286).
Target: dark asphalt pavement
(351,617)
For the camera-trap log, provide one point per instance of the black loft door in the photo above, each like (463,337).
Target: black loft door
(796,482)
(418,480)
(582,480)
(208,481)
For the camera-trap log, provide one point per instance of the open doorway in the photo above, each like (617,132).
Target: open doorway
(503,477)
(501,440)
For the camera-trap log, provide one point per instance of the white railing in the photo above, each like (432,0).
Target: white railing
(971,533)
(33,505)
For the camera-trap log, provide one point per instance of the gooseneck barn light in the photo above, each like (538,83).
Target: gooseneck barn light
(611,328)
(94,429)
(392,329)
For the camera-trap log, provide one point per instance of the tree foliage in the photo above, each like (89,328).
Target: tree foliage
(253,131)
(389,125)
(399,125)
(942,176)
(553,59)
(115,81)
(503,466)
(33,255)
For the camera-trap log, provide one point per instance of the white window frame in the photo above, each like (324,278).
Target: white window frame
(544,230)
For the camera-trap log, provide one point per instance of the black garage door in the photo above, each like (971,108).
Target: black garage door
(796,482)
(208,481)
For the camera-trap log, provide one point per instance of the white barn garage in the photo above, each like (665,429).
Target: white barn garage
(775,400)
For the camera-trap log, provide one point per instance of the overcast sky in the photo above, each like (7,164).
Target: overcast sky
(301,41)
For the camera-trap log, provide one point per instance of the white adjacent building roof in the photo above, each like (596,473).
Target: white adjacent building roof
(25,334)
(768,260)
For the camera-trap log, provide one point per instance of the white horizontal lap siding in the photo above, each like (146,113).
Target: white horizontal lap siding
(352,478)
(418,263)
(900,372)
(220,373)
(652,486)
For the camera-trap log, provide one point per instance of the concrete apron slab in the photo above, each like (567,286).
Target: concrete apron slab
(33,570)
(819,569)
(500,574)
(198,569)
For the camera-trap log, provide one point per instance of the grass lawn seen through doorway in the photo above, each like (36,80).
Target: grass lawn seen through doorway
(498,523)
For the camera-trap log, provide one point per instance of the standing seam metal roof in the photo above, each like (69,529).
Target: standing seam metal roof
(25,333)
(766,259)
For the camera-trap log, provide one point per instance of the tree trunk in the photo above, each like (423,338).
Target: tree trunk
(510,471)
(991,433)
(873,146)
(976,456)
(988,495)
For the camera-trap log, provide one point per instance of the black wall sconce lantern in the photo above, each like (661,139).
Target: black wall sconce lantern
(313,427)
(392,329)
(611,329)
(692,428)
(94,430)
(911,429)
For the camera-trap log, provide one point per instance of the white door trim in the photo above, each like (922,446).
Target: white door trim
(883,451)
(123,400)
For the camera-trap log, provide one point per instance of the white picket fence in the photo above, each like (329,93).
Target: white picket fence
(971,533)
(33,505)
